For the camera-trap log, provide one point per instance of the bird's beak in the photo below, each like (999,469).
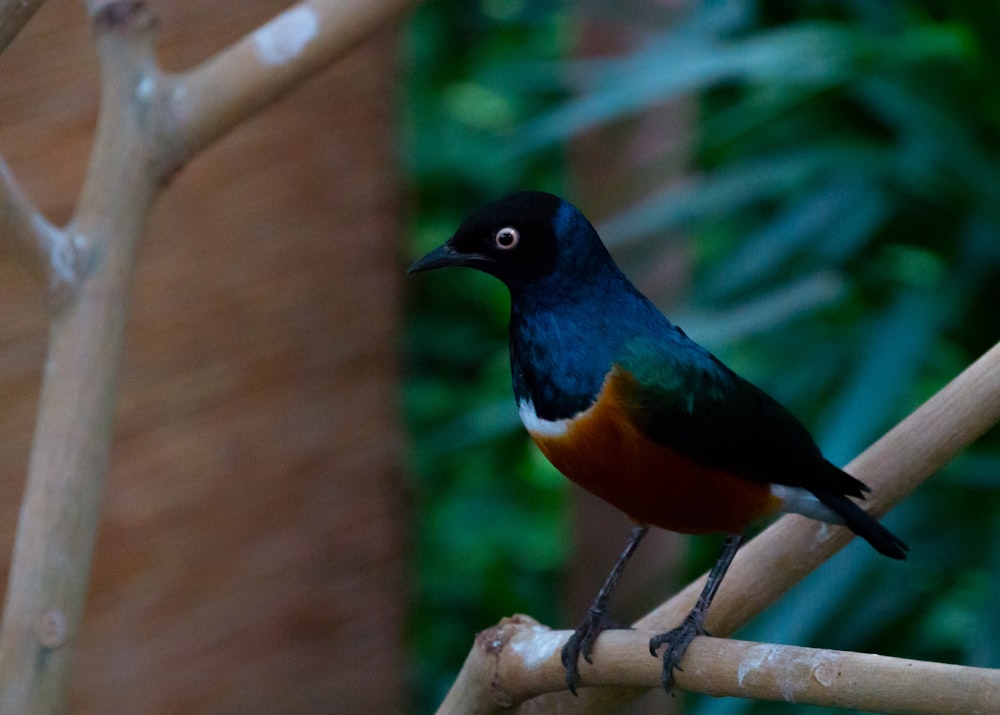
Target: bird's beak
(445,255)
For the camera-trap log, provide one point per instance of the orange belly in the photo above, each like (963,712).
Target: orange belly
(653,484)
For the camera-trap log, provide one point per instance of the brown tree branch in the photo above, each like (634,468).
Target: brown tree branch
(148,123)
(791,548)
(519,658)
(14,15)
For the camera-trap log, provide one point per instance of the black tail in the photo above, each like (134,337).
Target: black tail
(865,525)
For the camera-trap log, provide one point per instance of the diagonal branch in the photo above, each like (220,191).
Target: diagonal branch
(14,15)
(23,225)
(261,67)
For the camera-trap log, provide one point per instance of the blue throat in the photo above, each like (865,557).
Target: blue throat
(565,335)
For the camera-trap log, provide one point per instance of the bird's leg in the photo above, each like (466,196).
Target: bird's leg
(678,639)
(582,640)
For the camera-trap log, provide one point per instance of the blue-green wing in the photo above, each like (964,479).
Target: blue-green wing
(682,397)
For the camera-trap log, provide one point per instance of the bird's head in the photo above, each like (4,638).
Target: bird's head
(523,238)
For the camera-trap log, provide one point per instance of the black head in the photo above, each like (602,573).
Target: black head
(521,238)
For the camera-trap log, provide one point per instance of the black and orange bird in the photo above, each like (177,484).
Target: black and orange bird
(626,405)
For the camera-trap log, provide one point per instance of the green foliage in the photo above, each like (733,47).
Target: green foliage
(845,222)
(492,535)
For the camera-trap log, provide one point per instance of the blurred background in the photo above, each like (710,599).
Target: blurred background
(320,489)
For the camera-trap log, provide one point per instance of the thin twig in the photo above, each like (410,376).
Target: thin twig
(26,228)
(48,250)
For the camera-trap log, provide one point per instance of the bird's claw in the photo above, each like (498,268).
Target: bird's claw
(676,642)
(581,643)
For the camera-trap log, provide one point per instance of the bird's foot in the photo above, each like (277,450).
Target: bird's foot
(581,643)
(676,642)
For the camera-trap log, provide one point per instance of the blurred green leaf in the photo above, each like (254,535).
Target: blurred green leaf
(817,55)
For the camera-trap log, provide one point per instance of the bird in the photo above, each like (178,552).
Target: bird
(623,403)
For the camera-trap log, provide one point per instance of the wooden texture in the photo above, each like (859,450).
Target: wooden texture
(250,551)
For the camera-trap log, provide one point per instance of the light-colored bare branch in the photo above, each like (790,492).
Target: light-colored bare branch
(14,15)
(23,226)
(791,548)
(59,514)
(226,89)
(519,658)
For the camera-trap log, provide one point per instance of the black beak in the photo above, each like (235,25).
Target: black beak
(443,256)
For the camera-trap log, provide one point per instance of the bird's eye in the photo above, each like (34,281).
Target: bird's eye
(506,238)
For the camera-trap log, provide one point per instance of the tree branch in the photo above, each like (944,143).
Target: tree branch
(258,69)
(792,547)
(25,227)
(61,507)
(14,15)
(47,249)
(519,658)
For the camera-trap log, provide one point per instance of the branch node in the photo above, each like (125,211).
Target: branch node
(493,641)
(51,629)
(129,15)
(826,673)
(71,258)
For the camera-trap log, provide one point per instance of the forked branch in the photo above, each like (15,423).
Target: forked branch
(149,124)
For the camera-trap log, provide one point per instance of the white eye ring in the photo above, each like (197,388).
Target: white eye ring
(506,238)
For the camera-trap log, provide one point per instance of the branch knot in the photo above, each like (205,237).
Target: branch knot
(124,14)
